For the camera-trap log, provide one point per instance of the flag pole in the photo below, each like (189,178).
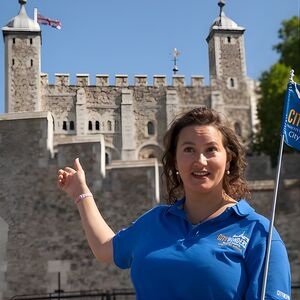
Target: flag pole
(267,257)
(269,239)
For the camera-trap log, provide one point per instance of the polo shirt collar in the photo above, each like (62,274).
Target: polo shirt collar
(177,208)
(242,208)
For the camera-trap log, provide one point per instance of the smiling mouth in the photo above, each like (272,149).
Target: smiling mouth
(200,174)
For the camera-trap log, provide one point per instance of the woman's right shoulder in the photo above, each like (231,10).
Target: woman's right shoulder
(154,212)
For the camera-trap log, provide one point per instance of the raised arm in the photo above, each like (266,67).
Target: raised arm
(98,233)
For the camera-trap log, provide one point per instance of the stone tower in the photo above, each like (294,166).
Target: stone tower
(227,66)
(22,38)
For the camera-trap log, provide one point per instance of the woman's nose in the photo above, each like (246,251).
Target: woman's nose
(202,159)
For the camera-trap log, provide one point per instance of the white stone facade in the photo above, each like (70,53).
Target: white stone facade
(131,118)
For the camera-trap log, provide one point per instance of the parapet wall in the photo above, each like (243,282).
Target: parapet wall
(121,80)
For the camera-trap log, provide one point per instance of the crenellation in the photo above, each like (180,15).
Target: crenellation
(159,80)
(140,80)
(62,79)
(44,79)
(83,79)
(178,80)
(102,80)
(197,80)
(121,80)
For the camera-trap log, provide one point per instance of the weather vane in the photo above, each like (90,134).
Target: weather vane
(221,4)
(175,54)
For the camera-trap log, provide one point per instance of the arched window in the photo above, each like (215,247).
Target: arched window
(97,125)
(109,125)
(72,125)
(228,39)
(232,82)
(238,128)
(31,62)
(65,125)
(150,127)
(90,125)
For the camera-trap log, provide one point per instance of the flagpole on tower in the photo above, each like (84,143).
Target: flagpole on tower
(269,239)
(35,14)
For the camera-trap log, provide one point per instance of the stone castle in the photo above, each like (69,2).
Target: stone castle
(117,132)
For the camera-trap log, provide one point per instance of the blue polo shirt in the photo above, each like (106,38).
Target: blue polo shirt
(221,258)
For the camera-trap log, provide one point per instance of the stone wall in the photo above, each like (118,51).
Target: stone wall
(44,231)
(95,109)
(22,71)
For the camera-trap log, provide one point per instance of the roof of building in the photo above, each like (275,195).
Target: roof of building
(223,22)
(22,22)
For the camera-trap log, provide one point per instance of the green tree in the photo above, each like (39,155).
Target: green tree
(273,85)
(289,48)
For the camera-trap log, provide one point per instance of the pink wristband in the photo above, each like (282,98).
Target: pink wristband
(82,196)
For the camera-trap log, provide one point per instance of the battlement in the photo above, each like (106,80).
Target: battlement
(121,80)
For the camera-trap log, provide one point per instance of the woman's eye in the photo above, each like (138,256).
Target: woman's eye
(188,149)
(212,149)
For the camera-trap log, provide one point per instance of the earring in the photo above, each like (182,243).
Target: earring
(227,172)
(177,173)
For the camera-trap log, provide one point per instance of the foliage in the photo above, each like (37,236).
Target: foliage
(289,48)
(273,85)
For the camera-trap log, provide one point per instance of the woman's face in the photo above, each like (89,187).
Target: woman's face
(201,159)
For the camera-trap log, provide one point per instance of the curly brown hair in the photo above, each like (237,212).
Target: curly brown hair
(234,184)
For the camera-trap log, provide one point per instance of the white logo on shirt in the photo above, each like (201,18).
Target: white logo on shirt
(283,295)
(236,241)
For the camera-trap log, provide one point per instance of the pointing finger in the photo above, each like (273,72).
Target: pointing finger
(77,165)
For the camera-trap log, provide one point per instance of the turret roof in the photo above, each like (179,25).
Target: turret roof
(223,22)
(22,22)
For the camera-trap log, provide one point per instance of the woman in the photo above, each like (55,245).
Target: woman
(208,243)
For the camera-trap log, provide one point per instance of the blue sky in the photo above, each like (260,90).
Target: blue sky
(137,36)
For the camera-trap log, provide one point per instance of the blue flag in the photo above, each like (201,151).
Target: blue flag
(290,125)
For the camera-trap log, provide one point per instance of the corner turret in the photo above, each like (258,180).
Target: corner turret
(22,39)
(228,75)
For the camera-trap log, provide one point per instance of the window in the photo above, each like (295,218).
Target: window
(150,127)
(14,40)
(109,125)
(97,125)
(90,125)
(228,39)
(72,125)
(232,82)
(31,62)
(13,62)
(107,159)
(30,41)
(237,128)
(65,125)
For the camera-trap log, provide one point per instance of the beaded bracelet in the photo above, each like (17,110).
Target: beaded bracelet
(82,196)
